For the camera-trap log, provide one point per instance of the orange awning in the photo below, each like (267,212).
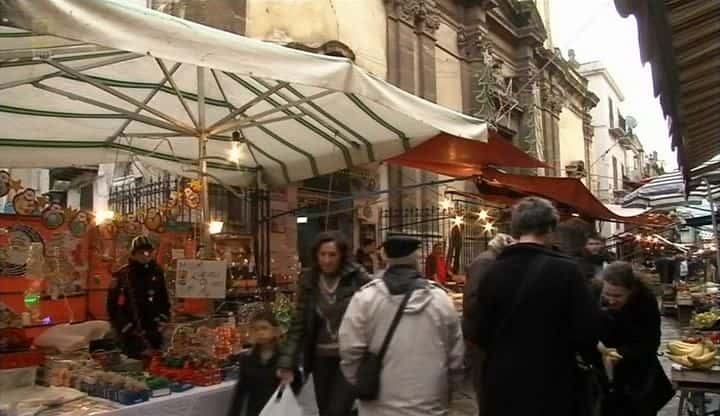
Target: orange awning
(451,156)
(463,156)
(570,192)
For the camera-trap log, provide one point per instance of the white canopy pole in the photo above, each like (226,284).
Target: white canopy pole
(714,224)
(202,160)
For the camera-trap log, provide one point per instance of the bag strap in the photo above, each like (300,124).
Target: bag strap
(396,321)
(531,275)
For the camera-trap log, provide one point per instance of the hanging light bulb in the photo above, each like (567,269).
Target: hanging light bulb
(457,221)
(482,215)
(488,227)
(446,203)
(103,216)
(215,227)
(237,152)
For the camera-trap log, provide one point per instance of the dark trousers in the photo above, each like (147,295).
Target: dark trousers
(333,393)
(476,357)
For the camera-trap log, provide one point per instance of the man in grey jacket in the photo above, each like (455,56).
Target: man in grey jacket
(425,356)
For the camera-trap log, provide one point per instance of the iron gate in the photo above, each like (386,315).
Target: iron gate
(247,213)
(462,235)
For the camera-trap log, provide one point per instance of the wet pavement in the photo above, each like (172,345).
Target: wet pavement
(464,405)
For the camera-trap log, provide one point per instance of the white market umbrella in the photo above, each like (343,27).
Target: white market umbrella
(670,190)
(87,82)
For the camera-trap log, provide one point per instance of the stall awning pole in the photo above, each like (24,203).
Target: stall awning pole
(202,159)
(714,224)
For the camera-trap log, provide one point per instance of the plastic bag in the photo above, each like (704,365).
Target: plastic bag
(306,398)
(69,338)
(282,403)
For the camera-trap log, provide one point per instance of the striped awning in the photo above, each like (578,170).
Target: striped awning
(681,40)
(87,82)
(670,190)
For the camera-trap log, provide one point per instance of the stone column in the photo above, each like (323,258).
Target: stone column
(552,105)
(588,134)
(411,66)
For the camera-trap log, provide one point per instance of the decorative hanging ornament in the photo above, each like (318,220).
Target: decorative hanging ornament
(25,202)
(154,219)
(4,183)
(16,185)
(131,225)
(53,217)
(196,186)
(192,199)
(80,224)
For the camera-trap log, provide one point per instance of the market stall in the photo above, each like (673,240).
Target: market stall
(88,87)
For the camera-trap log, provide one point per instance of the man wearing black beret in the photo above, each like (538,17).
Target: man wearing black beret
(425,352)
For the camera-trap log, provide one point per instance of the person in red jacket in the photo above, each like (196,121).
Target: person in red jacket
(436,265)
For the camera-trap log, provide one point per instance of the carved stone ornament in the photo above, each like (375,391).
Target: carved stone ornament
(473,44)
(423,13)
(552,99)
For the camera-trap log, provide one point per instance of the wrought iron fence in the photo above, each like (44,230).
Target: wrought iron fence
(238,212)
(246,213)
(463,237)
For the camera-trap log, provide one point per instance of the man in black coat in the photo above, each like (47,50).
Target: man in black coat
(138,303)
(475,274)
(534,315)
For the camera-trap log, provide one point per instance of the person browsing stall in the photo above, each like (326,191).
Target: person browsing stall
(257,381)
(436,268)
(324,292)
(425,351)
(138,302)
(631,335)
(533,297)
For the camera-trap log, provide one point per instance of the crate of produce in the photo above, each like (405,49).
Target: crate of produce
(207,377)
(130,397)
(30,358)
(159,386)
(179,387)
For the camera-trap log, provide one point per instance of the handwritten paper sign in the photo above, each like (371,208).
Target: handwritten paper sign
(201,279)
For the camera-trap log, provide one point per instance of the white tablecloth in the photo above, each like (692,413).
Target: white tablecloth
(205,401)
(199,401)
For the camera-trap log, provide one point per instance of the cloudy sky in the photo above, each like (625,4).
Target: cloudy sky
(597,32)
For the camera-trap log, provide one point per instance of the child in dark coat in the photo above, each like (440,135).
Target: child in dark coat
(258,372)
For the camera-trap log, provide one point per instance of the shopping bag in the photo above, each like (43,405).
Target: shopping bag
(306,398)
(282,403)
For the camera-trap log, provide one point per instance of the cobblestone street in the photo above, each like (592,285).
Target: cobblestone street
(463,403)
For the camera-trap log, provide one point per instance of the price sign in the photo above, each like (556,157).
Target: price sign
(201,279)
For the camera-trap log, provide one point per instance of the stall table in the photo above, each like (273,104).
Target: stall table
(199,401)
(693,386)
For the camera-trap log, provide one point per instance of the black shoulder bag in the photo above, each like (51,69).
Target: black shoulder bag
(367,386)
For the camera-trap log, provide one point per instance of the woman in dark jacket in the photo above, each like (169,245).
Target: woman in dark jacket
(632,329)
(324,293)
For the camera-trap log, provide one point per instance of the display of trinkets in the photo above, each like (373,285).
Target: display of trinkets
(9,318)
(85,406)
(283,308)
(226,339)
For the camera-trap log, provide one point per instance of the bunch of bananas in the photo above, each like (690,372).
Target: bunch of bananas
(696,356)
(704,320)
